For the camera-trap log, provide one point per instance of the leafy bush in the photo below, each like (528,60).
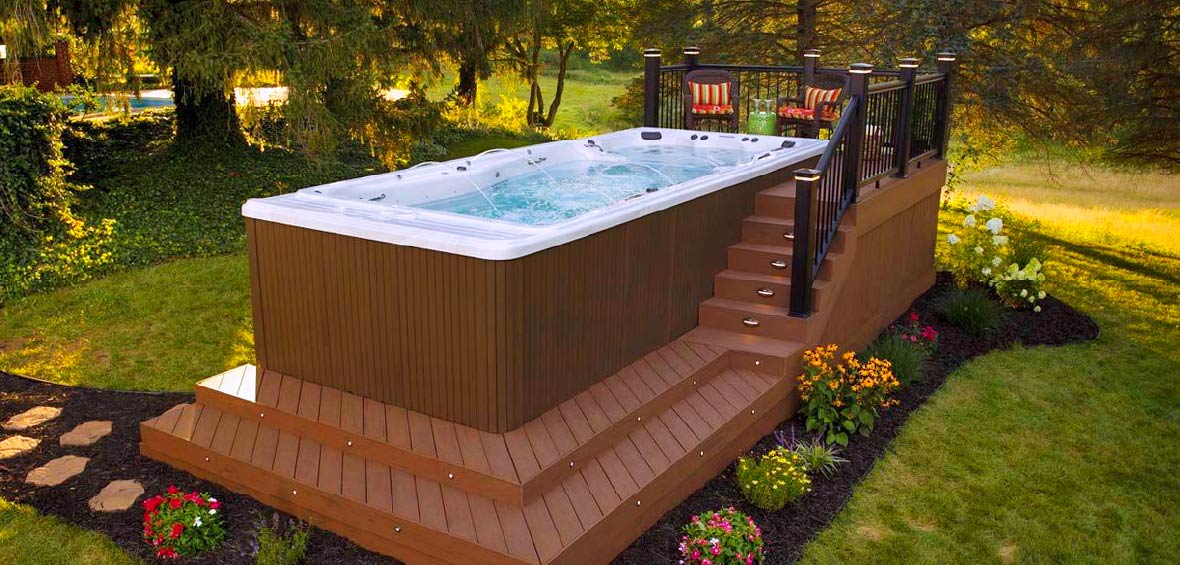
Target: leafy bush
(1021,287)
(771,481)
(842,398)
(182,524)
(970,309)
(34,193)
(817,457)
(278,546)
(974,253)
(723,537)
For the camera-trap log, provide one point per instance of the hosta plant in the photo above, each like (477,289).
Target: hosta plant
(182,524)
(723,537)
(774,479)
(842,396)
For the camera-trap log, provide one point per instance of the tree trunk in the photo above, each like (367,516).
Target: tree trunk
(467,89)
(563,65)
(206,114)
(805,35)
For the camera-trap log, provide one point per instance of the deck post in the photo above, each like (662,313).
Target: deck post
(810,60)
(691,54)
(651,88)
(905,118)
(803,245)
(946,66)
(858,88)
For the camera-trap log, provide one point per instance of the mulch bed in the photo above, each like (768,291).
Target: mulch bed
(785,532)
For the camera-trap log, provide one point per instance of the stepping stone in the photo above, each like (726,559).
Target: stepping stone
(57,471)
(86,433)
(116,496)
(16,445)
(31,417)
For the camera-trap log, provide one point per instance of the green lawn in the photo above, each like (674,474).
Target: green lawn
(1033,454)
(27,538)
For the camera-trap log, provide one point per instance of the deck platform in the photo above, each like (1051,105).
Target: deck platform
(573,486)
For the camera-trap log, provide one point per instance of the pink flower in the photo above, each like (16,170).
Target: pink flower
(929,334)
(716,550)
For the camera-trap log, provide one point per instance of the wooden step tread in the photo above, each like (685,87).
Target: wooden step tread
(520,464)
(768,279)
(743,306)
(342,489)
(745,342)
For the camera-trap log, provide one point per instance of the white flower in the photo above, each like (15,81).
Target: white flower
(212,511)
(983,204)
(986,271)
(1037,309)
(969,221)
(996,262)
(979,250)
(1023,292)
(952,239)
(1041,295)
(211,499)
(197,522)
(714,541)
(994,225)
(1000,239)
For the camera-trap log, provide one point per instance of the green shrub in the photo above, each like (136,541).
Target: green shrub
(771,481)
(34,193)
(178,524)
(818,458)
(970,309)
(280,546)
(907,357)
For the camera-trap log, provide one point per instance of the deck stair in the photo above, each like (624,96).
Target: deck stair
(572,486)
(752,295)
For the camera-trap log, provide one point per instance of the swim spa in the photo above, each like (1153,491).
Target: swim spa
(485,290)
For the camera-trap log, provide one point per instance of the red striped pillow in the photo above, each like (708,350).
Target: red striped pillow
(709,94)
(813,97)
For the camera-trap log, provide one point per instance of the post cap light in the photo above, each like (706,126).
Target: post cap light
(692,50)
(813,53)
(651,52)
(946,56)
(860,68)
(807,175)
(908,63)
(3,51)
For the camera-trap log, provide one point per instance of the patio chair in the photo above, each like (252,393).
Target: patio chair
(817,107)
(710,95)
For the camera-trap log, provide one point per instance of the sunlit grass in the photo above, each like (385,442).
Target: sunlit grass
(1045,454)
(28,538)
(157,328)
(1089,206)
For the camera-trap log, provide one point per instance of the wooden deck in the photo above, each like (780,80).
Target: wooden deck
(573,486)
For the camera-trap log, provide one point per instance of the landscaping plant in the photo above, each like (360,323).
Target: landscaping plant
(1021,287)
(182,524)
(723,537)
(906,347)
(277,546)
(771,481)
(817,457)
(971,309)
(842,397)
(974,253)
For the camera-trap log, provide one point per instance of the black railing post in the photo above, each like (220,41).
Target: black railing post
(810,60)
(803,250)
(691,54)
(946,66)
(651,88)
(858,89)
(905,117)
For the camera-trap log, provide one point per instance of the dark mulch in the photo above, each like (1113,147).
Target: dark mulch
(787,531)
(117,456)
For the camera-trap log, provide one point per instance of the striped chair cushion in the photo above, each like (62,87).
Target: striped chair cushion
(710,98)
(806,113)
(812,98)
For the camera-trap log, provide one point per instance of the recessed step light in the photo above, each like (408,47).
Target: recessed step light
(789,235)
(751,322)
(765,292)
(778,264)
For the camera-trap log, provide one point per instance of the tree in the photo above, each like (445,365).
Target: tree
(595,27)
(477,29)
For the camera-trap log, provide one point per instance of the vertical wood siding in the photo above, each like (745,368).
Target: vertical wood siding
(490,344)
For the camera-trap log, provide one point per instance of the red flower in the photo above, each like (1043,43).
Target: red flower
(215,505)
(929,334)
(172,489)
(152,503)
(175,503)
(913,316)
(177,528)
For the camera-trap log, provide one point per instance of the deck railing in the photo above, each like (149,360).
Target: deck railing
(892,120)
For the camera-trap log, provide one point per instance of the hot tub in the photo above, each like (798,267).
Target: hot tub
(505,204)
(488,289)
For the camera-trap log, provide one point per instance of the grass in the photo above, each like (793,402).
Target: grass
(158,328)
(1046,454)
(29,538)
